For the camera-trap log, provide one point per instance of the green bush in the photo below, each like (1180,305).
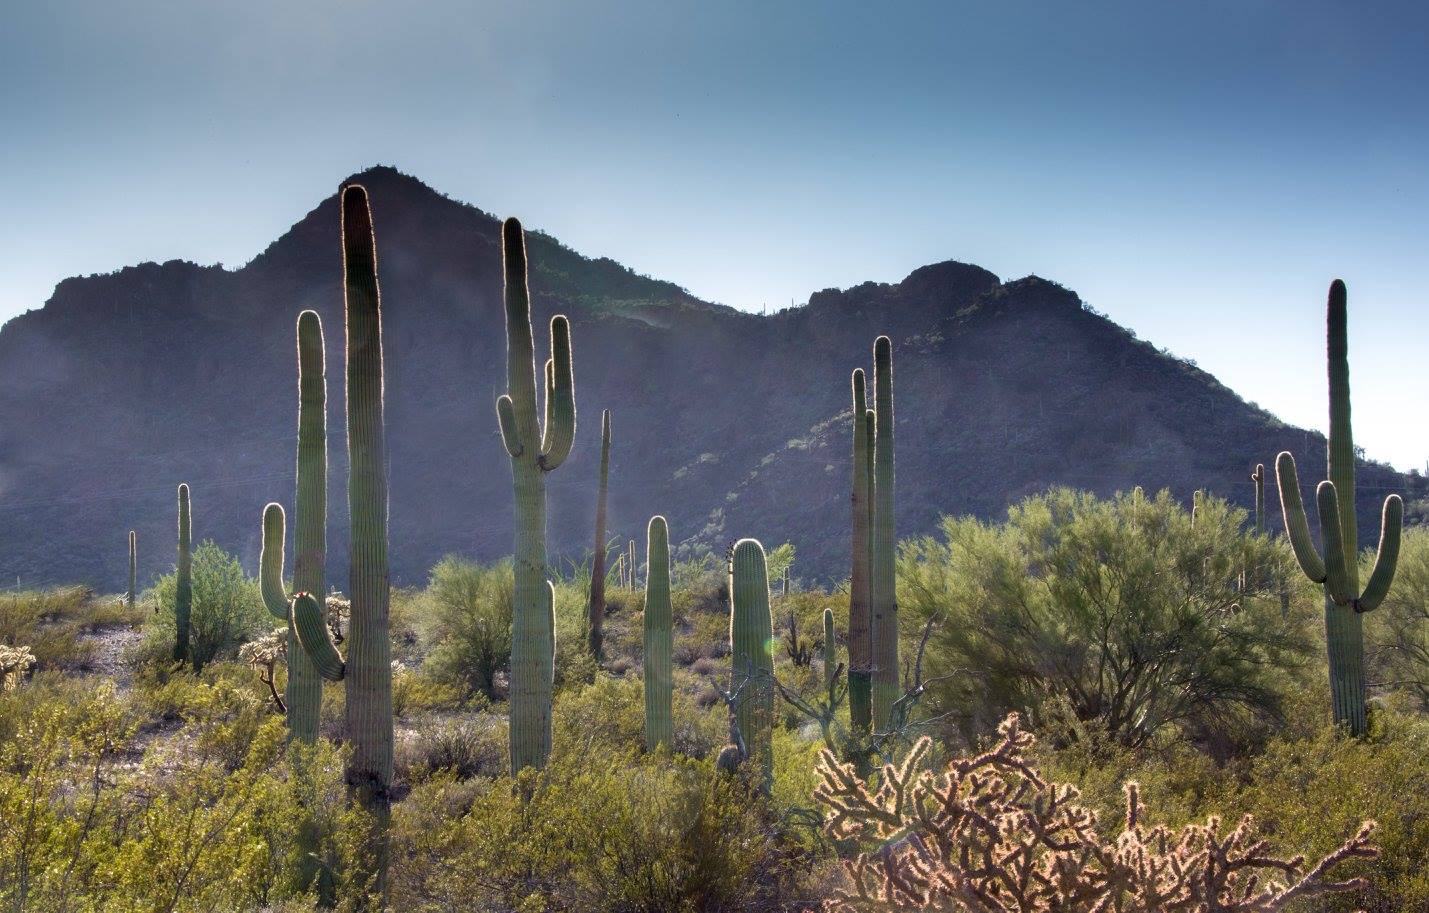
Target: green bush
(469,626)
(227,610)
(596,831)
(1119,615)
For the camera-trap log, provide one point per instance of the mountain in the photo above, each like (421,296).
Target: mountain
(731,424)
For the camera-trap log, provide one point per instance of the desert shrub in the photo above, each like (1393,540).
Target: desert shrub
(464,748)
(990,833)
(227,610)
(421,692)
(48,622)
(609,714)
(469,624)
(602,831)
(1118,615)
(1398,631)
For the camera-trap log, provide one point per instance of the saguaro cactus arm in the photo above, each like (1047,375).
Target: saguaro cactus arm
(310,624)
(1337,582)
(1297,525)
(1386,559)
(560,428)
(270,562)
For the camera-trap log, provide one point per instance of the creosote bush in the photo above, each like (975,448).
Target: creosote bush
(470,623)
(227,609)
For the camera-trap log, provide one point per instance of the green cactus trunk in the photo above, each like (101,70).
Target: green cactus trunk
(303,694)
(860,647)
(533,453)
(883,583)
(659,639)
(184,585)
(369,656)
(133,569)
(830,650)
(595,608)
(1258,477)
(1338,570)
(751,639)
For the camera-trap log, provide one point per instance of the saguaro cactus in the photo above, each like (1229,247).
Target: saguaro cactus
(1257,478)
(595,608)
(1338,571)
(367,672)
(183,581)
(133,569)
(304,689)
(830,649)
(659,639)
(534,451)
(860,647)
(883,585)
(751,639)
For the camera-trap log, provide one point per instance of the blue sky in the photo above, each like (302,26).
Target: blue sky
(1198,171)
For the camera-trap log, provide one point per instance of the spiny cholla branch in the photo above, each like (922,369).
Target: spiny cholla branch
(990,835)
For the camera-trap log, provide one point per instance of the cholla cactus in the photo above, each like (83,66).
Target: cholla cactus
(263,656)
(990,835)
(14,663)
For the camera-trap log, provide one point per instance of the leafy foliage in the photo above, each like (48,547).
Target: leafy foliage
(227,608)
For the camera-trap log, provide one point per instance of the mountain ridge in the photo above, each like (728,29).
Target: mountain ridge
(729,423)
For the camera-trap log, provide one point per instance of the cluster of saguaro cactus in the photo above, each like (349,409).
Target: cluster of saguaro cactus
(183,580)
(751,640)
(860,643)
(133,569)
(659,639)
(595,607)
(303,692)
(534,451)
(367,671)
(1338,570)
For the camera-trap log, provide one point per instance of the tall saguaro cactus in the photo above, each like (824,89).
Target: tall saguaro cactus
(367,671)
(751,639)
(304,689)
(184,581)
(883,585)
(1258,479)
(133,569)
(659,639)
(1338,571)
(534,451)
(860,646)
(595,608)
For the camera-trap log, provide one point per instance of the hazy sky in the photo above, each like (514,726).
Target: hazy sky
(1198,171)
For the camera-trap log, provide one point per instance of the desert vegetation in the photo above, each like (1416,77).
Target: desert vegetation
(1225,719)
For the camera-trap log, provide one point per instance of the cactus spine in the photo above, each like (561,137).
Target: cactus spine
(860,652)
(882,589)
(304,689)
(1258,478)
(830,649)
(1338,571)
(595,609)
(133,569)
(183,581)
(751,639)
(534,451)
(659,639)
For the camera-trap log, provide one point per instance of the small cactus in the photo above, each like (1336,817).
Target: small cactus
(1338,571)
(133,569)
(183,581)
(1257,478)
(595,608)
(751,639)
(534,451)
(830,650)
(659,639)
(14,663)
